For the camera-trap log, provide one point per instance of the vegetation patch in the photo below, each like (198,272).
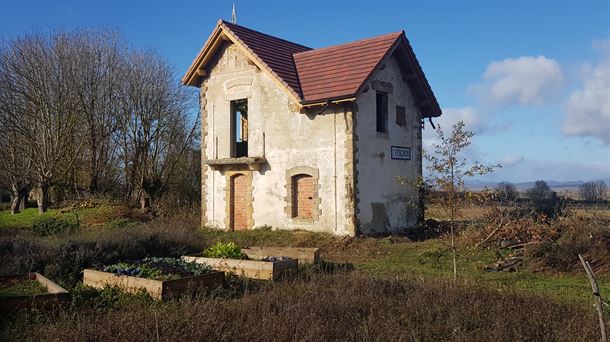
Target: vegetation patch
(158,268)
(22,287)
(46,226)
(224,250)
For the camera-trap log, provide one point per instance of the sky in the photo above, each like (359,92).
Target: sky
(530,78)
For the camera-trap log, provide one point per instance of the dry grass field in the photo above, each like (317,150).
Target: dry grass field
(383,288)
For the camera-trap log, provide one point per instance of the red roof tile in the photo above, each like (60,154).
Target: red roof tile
(339,71)
(335,72)
(276,53)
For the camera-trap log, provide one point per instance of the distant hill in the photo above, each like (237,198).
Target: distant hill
(521,186)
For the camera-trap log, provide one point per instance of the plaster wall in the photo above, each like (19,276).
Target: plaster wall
(385,205)
(280,133)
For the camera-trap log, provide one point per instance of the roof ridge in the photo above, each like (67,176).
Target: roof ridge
(264,34)
(352,42)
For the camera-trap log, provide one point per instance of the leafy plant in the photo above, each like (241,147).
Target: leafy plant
(158,268)
(228,250)
(46,226)
(448,169)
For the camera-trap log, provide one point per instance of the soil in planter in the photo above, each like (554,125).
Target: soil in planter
(21,287)
(158,268)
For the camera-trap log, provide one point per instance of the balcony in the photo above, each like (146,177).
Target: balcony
(237,163)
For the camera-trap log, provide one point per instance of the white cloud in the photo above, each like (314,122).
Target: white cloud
(588,109)
(525,81)
(512,160)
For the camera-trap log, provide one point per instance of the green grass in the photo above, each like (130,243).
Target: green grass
(22,288)
(24,219)
(430,259)
(102,213)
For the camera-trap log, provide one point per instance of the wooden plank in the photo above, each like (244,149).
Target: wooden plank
(56,294)
(155,288)
(254,269)
(303,254)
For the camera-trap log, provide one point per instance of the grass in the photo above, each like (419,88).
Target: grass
(101,212)
(24,219)
(22,288)
(398,289)
(345,306)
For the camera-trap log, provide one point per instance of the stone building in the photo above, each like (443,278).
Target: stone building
(311,139)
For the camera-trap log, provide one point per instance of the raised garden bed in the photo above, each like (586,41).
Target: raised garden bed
(26,290)
(161,278)
(303,254)
(254,269)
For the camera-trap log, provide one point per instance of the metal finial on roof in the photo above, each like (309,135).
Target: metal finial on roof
(233,15)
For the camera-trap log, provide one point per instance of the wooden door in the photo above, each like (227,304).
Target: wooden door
(239,202)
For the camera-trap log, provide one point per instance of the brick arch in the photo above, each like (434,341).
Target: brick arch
(308,178)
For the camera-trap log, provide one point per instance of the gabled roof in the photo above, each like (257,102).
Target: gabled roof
(313,76)
(338,71)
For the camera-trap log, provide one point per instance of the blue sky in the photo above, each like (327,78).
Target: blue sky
(531,78)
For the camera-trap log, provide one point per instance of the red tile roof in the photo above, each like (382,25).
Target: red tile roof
(276,53)
(317,75)
(340,70)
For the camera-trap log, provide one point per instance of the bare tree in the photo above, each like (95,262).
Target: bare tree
(447,173)
(540,191)
(37,72)
(100,56)
(153,127)
(593,191)
(506,192)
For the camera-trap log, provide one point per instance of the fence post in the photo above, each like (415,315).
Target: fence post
(598,298)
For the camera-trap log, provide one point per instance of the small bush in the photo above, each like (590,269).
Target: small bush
(120,223)
(46,226)
(229,250)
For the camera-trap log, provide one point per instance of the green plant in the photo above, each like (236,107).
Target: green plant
(228,250)
(46,226)
(447,171)
(158,268)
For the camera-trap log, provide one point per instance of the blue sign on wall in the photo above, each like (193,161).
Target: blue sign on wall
(400,153)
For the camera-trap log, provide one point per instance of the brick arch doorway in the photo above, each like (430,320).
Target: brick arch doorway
(239,202)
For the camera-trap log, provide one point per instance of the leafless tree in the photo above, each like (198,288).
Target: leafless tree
(153,126)
(99,56)
(506,192)
(37,72)
(540,191)
(593,191)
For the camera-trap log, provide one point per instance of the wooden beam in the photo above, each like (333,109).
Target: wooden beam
(422,103)
(201,72)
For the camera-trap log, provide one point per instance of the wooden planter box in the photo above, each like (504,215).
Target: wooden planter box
(254,269)
(158,289)
(303,254)
(55,294)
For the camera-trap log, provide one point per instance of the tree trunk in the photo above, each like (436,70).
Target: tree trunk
(25,193)
(16,199)
(43,198)
(144,202)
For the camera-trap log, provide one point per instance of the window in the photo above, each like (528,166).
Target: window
(401,116)
(302,196)
(239,128)
(382,112)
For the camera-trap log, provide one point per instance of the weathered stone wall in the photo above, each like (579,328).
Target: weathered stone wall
(286,138)
(382,203)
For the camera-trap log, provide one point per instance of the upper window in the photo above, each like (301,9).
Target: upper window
(401,116)
(239,128)
(382,112)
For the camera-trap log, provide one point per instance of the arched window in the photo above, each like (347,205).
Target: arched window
(302,200)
